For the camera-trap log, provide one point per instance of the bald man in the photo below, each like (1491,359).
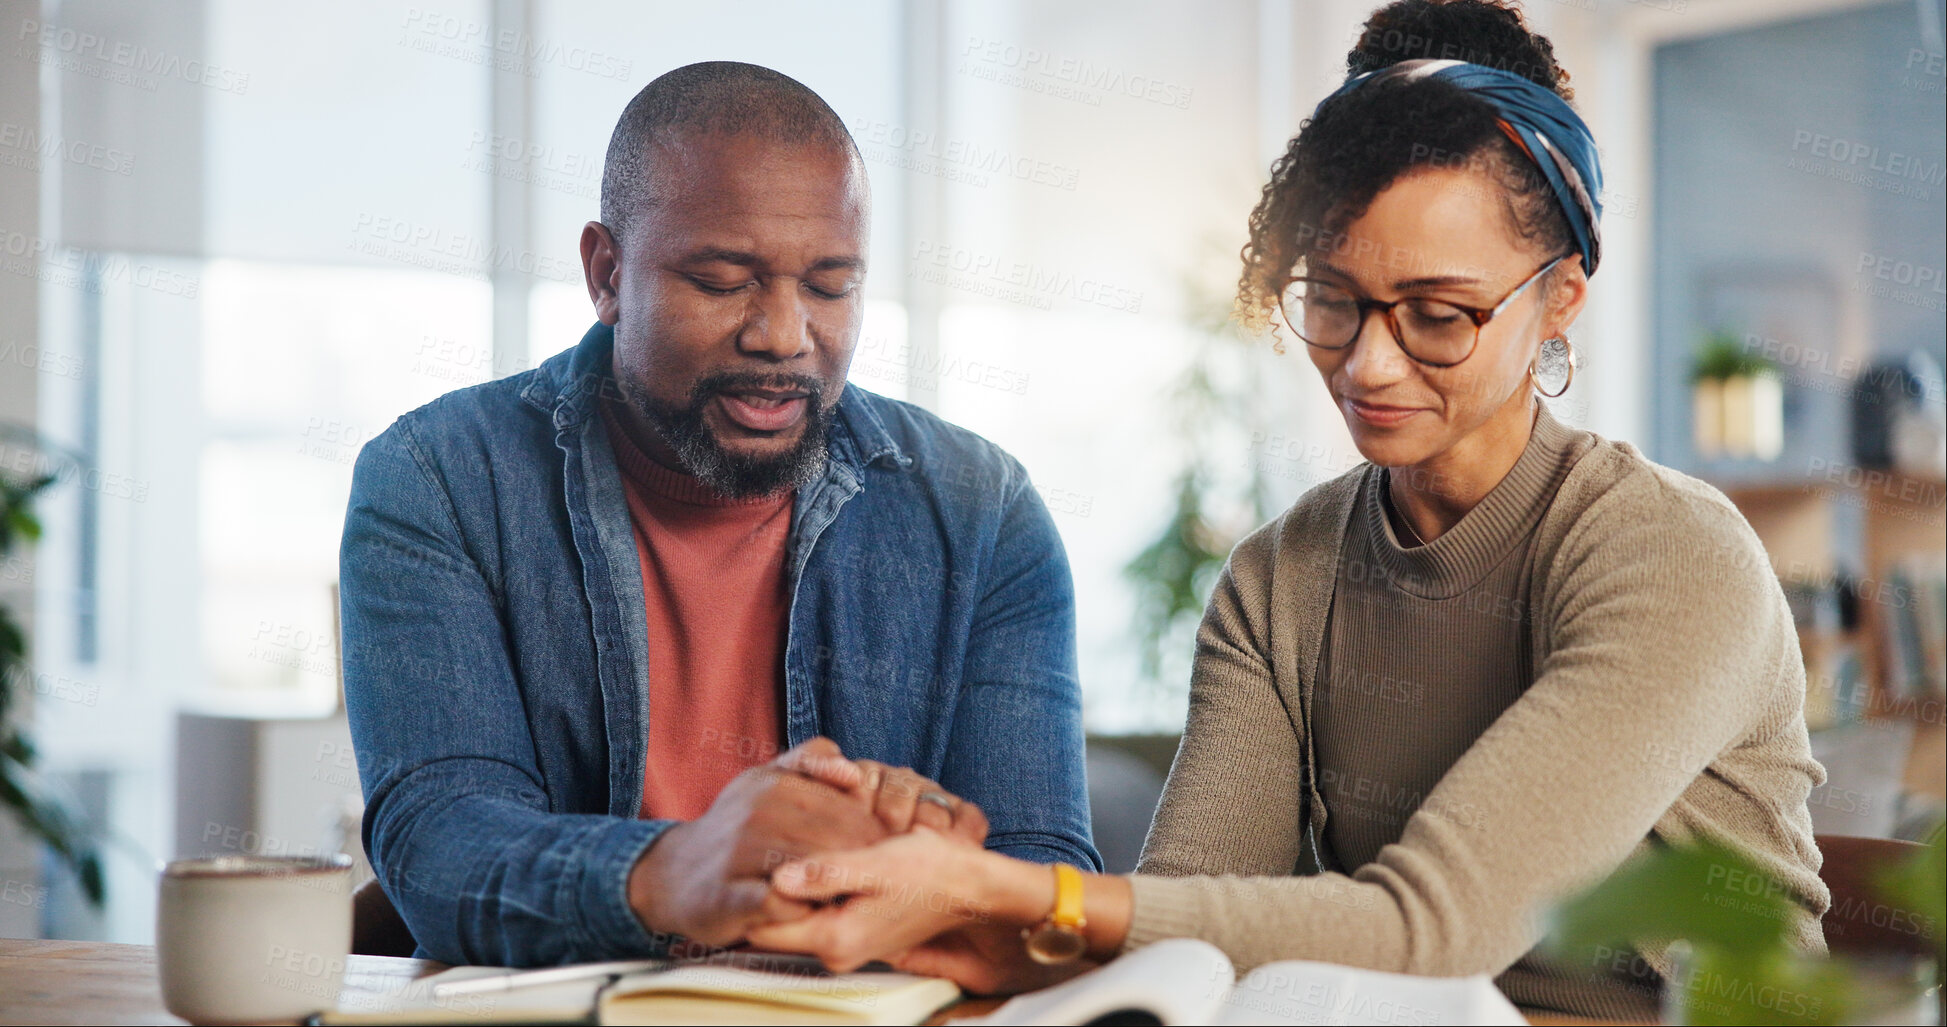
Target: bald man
(624,632)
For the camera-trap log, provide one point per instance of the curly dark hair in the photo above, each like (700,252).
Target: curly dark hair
(1357,145)
(1476,31)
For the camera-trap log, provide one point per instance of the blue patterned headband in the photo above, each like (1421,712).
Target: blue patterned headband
(1543,124)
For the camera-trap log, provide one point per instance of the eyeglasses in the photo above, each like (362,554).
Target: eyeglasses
(1434,332)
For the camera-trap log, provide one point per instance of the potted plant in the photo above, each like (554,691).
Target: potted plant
(21,794)
(1722,923)
(1737,401)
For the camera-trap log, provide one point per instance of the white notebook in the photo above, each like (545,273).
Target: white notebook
(1182,981)
(739,989)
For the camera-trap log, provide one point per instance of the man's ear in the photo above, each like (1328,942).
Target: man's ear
(601,266)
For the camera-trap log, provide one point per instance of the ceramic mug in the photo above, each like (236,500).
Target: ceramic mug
(249,939)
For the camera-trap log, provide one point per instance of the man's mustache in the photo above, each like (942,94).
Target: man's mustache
(720,382)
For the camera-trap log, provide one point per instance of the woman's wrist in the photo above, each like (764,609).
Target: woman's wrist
(1017,893)
(1021,894)
(1108,902)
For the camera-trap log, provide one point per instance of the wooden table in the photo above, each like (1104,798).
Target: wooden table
(88,982)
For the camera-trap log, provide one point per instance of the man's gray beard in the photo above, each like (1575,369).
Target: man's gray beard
(723,472)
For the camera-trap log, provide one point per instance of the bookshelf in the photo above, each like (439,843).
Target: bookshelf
(1877,526)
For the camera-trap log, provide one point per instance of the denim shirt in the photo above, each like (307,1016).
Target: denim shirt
(496,651)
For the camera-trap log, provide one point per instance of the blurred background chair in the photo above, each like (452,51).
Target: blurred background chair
(1861,923)
(377,927)
(1125,780)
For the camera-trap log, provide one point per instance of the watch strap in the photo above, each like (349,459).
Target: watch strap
(1068,898)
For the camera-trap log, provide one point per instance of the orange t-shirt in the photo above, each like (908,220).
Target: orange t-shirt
(713,583)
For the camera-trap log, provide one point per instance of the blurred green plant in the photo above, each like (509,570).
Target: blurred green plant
(1724,922)
(1921,884)
(1722,356)
(42,815)
(1174,573)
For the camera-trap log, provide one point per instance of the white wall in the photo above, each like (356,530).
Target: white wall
(20,97)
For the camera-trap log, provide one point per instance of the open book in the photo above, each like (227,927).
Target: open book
(1182,981)
(732,989)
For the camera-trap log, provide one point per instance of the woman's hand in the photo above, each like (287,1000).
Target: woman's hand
(904,892)
(932,905)
(986,959)
(896,895)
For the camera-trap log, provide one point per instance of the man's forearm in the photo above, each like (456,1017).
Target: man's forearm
(482,880)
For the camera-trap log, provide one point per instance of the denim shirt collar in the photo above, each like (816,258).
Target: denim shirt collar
(570,383)
(568,386)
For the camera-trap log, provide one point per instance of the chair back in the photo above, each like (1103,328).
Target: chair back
(1861,923)
(377,927)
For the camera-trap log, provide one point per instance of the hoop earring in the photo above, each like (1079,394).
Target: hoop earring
(1567,358)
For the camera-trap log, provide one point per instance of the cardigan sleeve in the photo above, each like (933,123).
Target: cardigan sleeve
(1668,634)
(1240,752)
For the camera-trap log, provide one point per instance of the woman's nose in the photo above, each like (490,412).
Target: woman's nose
(1375,356)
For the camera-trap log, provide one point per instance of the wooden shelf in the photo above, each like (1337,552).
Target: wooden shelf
(1920,491)
(1899,515)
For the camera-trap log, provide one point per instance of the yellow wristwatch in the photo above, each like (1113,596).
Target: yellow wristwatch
(1059,938)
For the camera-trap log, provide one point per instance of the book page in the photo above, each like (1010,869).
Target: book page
(1177,981)
(1323,993)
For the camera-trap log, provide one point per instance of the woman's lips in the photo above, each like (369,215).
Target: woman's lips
(1380,416)
(759,412)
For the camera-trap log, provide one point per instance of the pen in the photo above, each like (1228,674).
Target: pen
(552,975)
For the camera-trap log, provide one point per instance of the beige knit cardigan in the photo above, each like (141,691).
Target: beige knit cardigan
(1667,705)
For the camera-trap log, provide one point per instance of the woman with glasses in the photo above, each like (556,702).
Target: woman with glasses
(1461,681)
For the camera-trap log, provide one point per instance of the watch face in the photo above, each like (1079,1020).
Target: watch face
(1050,945)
